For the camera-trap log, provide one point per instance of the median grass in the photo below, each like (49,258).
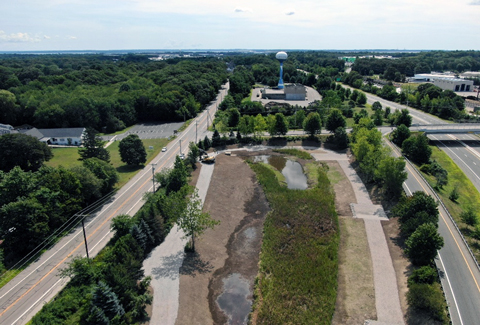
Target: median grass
(297,281)
(469,197)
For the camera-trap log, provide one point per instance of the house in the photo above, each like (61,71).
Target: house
(62,136)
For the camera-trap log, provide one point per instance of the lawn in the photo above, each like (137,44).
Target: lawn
(68,157)
(469,197)
(297,281)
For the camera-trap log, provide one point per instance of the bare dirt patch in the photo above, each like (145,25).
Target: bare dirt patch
(356,294)
(228,254)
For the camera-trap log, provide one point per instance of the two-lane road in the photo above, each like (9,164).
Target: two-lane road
(25,295)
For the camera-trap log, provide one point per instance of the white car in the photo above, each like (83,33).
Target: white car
(182,156)
(164,149)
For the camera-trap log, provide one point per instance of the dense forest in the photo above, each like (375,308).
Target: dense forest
(104,91)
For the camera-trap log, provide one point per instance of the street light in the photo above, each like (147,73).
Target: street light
(153,176)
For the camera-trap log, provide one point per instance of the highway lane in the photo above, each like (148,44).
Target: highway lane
(459,273)
(25,295)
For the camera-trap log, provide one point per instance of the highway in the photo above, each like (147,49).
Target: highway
(25,295)
(460,275)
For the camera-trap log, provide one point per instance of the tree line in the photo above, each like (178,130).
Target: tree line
(104,92)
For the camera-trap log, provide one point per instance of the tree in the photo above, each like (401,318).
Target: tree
(193,221)
(415,210)
(423,244)
(377,117)
(103,171)
(22,150)
(281,124)
(376,106)
(361,99)
(340,138)
(335,120)
(93,146)
(391,172)
(312,124)
(193,154)
(105,302)
(91,186)
(178,177)
(417,149)
(216,139)
(132,151)
(234,117)
(8,107)
(400,134)
(404,118)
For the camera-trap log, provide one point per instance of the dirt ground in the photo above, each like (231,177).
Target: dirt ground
(356,294)
(227,255)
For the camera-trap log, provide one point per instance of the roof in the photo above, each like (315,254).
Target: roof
(55,133)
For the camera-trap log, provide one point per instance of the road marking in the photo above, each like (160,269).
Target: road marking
(450,285)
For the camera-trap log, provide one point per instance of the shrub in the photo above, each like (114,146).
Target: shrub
(425,274)
(454,195)
(429,298)
(469,217)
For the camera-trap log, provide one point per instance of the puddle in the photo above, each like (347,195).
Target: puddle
(250,233)
(294,176)
(292,170)
(233,301)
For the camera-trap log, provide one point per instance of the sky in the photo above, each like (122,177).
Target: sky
(44,25)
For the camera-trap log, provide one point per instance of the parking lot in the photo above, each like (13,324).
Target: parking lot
(148,131)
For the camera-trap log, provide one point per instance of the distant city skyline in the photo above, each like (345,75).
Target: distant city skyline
(56,25)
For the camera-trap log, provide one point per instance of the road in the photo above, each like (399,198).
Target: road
(25,295)
(460,275)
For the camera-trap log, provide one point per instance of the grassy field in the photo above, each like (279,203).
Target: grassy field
(295,152)
(297,282)
(68,157)
(469,197)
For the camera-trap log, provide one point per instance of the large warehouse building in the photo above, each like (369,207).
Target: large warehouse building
(454,84)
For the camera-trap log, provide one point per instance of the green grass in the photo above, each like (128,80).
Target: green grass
(297,281)
(68,157)
(295,152)
(126,172)
(469,197)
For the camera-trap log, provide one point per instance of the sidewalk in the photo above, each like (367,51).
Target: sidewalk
(164,263)
(387,301)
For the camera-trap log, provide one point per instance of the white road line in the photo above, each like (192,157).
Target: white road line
(36,302)
(450,285)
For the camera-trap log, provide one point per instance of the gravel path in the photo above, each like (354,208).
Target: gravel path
(164,263)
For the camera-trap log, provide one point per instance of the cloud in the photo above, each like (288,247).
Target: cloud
(290,13)
(72,37)
(18,37)
(242,10)
(475,3)
(46,37)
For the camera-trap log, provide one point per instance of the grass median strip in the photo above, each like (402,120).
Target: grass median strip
(297,282)
(468,197)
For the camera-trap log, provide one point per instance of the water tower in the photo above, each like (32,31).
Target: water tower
(281,56)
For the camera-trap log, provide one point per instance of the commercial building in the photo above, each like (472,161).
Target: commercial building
(290,92)
(454,84)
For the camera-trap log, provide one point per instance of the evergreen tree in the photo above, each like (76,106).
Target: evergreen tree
(93,146)
(107,301)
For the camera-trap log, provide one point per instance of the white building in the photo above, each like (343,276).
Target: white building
(5,129)
(454,84)
(63,136)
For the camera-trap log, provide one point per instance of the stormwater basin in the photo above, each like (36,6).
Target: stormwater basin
(292,170)
(234,300)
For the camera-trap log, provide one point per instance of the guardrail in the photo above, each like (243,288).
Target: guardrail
(439,200)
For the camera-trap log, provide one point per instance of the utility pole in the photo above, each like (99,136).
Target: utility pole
(84,234)
(180,146)
(153,176)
